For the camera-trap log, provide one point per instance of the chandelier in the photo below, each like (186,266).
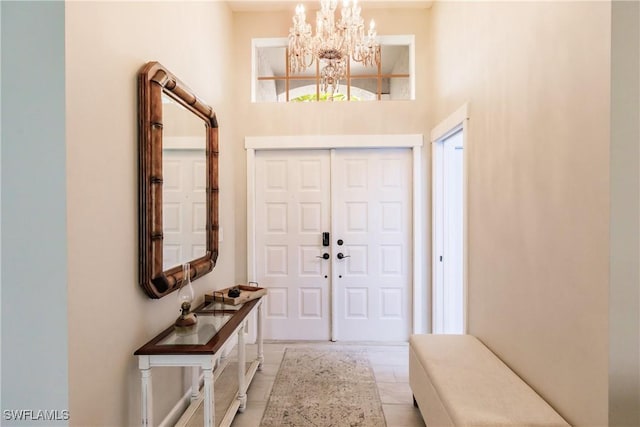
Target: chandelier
(334,42)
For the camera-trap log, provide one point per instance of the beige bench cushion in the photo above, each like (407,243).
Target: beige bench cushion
(473,386)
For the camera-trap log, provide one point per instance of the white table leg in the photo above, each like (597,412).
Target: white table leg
(259,336)
(209,408)
(242,365)
(224,353)
(195,383)
(147,401)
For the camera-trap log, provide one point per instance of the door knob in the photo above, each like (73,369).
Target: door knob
(324,256)
(341,255)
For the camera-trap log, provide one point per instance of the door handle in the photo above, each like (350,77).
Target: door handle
(341,255)
(324,256)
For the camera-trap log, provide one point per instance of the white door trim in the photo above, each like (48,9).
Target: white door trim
(456,121)
(413,141)
(331,141)
(334,283)
(451,123)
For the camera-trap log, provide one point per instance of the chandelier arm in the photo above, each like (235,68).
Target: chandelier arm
(311,59)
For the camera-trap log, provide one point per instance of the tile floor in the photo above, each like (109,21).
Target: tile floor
(390,365)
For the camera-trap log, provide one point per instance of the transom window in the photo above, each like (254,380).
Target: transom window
(392,80)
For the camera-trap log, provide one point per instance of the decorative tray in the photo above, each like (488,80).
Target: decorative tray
(247,293)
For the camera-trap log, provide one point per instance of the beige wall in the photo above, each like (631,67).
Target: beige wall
(536,75)
(109,315)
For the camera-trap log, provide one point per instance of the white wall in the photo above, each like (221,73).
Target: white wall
(400,88)
(34,259)
(109,315)
(536,76)
(624,293)
(265,89)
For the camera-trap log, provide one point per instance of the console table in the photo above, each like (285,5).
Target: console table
(200,348)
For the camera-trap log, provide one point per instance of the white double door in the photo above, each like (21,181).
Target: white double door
(332,238)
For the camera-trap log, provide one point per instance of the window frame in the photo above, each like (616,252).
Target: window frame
(282,42)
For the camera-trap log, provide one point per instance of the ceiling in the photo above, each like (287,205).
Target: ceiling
(271,5)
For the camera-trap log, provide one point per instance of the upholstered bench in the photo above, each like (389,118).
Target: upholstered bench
(457,381)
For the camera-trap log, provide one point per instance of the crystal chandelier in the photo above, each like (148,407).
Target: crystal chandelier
(333,44)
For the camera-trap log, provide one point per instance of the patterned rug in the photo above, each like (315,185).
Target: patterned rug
(324,388)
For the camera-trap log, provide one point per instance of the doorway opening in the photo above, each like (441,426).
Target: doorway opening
(449,288)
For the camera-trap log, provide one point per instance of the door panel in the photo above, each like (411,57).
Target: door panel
(448,292)
(372,215)
(293,207)
(367,195)
(452,242)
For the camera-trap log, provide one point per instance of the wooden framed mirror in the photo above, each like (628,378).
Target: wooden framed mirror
(178,182)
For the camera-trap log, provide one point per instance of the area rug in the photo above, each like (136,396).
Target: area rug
(324,388)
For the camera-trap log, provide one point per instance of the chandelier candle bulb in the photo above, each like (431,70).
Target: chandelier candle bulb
(356,8)
(346,11)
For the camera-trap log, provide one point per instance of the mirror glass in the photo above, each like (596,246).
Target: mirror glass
(184,201)
(178,182)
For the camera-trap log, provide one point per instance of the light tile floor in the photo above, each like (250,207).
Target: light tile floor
(390,364)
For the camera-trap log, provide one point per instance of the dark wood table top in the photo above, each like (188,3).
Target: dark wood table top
(230,319)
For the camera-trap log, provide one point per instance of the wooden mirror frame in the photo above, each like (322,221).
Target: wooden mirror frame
(153,81)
